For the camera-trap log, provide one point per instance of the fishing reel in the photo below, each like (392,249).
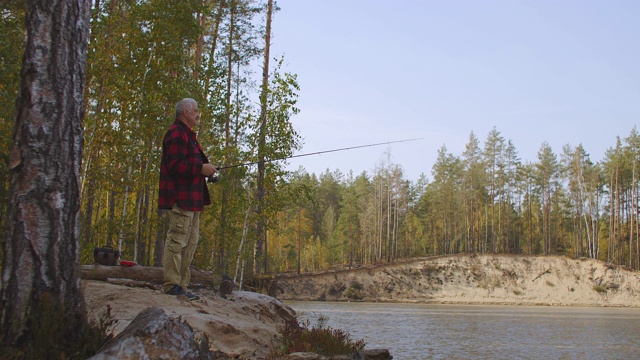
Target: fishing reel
(213,178)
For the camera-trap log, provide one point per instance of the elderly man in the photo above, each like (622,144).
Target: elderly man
(183,191)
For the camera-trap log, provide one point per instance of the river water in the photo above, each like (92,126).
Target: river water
(426,331)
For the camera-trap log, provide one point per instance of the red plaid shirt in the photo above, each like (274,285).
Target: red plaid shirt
(181,179)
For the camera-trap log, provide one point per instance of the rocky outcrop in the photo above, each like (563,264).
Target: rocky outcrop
(473,279)
(154,335)
(230,324)
(242,325)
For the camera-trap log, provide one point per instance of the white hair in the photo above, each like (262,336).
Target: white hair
(182,105)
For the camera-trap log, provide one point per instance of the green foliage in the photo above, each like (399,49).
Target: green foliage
(600,289)
(144,56)
(355,285)
(317,339)
(354,292)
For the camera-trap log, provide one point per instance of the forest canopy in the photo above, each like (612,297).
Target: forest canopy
(144,56)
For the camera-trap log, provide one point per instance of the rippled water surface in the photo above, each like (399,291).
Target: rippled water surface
(424,331)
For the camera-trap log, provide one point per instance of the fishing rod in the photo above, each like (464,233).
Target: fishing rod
(214,178)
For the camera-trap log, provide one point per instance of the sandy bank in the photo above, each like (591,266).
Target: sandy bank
(474,279)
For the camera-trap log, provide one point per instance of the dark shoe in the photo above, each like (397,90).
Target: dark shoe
(176,290)
(192,296)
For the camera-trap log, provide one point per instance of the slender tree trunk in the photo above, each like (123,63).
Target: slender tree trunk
(486,228)
(87,218)
(200,44)
(637,227)
(378,224)
(41,265)
(161,232)
(595,230)
(261,244)
(388,219)
(245,230)
(632,215)
(137,229)
(141,240)
(495,221)
(227,142)
(299,240)
(209,91)
(111,218)
(611,217)
(230,53)
(123,218)
(395,231)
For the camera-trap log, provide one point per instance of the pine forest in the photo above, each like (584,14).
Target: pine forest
(146,55)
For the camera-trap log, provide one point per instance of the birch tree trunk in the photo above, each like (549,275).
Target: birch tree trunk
(41,267)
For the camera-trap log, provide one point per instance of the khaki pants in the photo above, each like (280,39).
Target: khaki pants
(180,247)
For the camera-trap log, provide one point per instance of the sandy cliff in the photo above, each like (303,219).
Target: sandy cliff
(474,279)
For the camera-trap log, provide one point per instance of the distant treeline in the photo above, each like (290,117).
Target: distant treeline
(144,56)
(485,200)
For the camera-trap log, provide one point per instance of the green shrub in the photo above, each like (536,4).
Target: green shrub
(355,291)
(355,285)
(317,339)
(600,289)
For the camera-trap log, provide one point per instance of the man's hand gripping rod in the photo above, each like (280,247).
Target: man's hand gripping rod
(214,178)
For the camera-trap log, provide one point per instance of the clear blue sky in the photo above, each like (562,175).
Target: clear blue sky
(560,71)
